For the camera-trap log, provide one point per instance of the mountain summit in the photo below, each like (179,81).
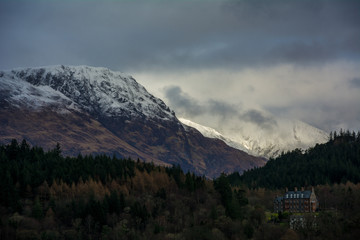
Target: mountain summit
(95,90)
(91,110)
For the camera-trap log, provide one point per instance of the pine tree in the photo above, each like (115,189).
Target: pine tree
(37,210)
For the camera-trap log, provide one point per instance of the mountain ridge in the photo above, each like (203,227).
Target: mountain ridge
(297,134)
(83,107)
(95,89)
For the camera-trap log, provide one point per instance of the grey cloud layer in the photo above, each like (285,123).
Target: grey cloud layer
(355,82)
(183,103)
(177,34)
(259,119)
(190,107)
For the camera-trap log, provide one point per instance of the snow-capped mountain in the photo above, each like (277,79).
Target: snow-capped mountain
(287,136)
(93,110)
(92,89)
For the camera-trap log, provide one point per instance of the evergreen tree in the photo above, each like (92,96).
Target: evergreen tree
(37,210)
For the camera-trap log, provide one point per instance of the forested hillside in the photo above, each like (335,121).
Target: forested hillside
(47,196)
(336,161)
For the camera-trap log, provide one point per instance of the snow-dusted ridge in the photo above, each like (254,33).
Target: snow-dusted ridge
(95,90)
(289,135)
(212,133)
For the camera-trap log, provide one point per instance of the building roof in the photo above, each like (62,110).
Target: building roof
(293,195)
(297,194)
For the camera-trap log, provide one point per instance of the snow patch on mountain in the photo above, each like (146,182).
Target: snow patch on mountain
(21,93)
(95,90)
(288,135)
(212,133)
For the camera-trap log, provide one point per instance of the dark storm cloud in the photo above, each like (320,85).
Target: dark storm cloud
(190,107)
(182,102)
(221,108)
(258,118)
(133,35)
(116,34)
(300,31)
(300,52)
(355,82)
(299,16)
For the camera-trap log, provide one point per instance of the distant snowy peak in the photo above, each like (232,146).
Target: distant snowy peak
(288,136)
(202,129)
(95,90)
(212,133)
(306,134)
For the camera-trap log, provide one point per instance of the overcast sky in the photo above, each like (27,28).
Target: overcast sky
(217,59)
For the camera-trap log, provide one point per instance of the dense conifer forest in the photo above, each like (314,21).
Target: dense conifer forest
(336,161)
(48,196)
(45,195)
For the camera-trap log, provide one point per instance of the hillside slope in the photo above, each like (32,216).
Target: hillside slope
(336,161)
(95,110)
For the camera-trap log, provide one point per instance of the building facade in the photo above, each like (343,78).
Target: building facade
(296,201)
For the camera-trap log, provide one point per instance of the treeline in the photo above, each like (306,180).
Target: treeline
(24,168)
(47,196)
(336,161)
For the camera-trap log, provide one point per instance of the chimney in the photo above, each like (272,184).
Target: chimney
(286,189)
(295,189)
(302,189)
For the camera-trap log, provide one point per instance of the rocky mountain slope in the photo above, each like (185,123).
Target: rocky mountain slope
(95,110)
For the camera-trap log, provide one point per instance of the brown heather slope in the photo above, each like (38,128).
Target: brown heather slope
(76,133)
(170,142)
(218,157)
(81,133)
